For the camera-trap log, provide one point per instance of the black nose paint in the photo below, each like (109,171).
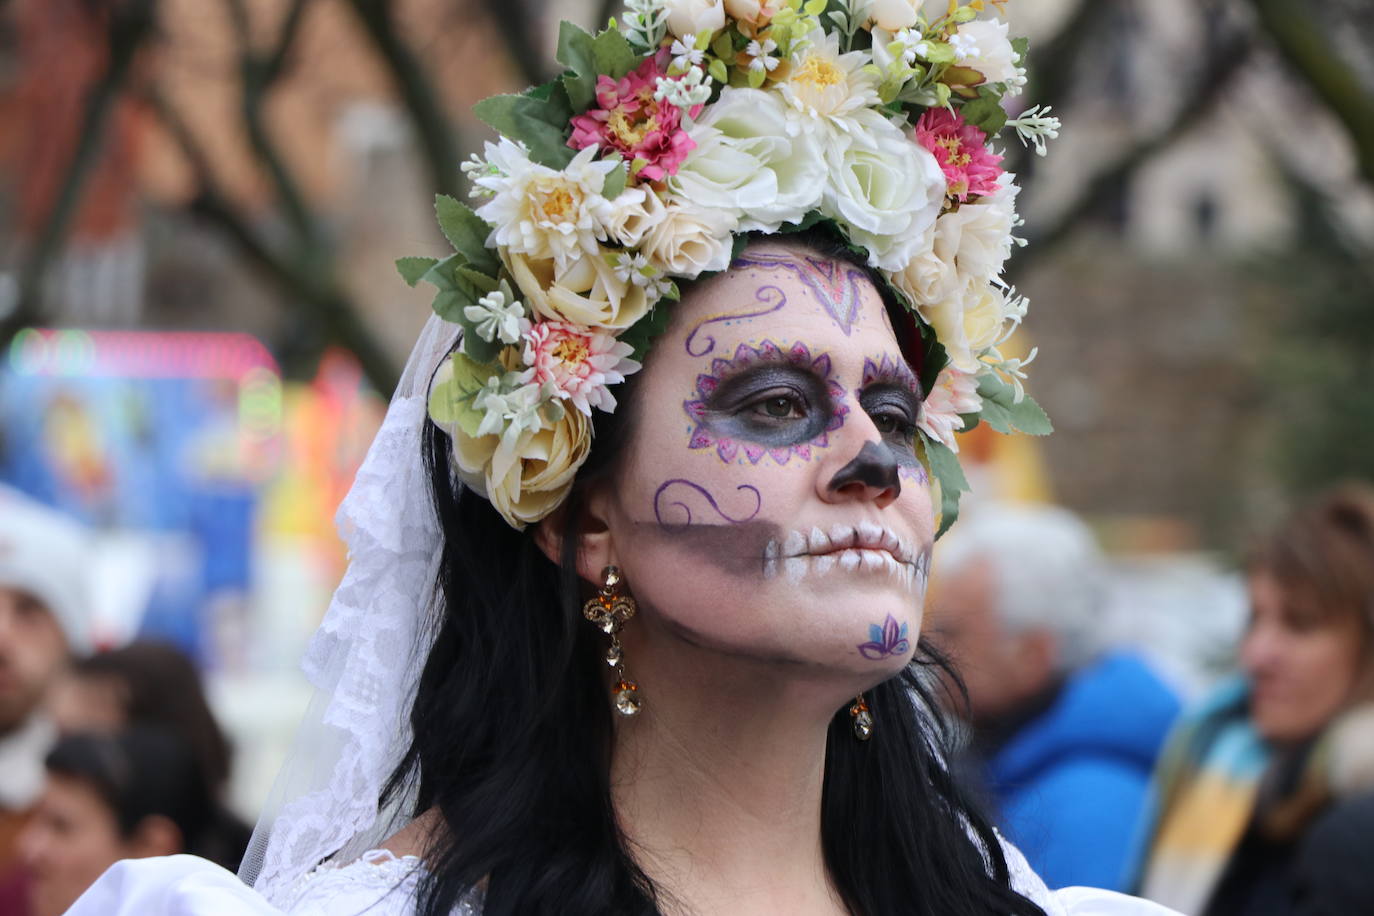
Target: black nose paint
(875,466)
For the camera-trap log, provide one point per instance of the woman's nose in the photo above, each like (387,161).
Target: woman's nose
(870,476)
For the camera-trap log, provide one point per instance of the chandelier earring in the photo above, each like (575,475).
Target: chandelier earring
(863,719)
(609,610)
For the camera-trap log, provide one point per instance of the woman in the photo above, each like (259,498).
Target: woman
(1243,784)
(155,685)
(671,667)
(128,794)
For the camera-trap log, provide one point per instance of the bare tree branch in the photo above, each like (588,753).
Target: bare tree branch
(1292,28)
(131,24)
(275,62)
(433,129)
(255,71)
(1051,68)
(1207,90)
(329,303)
(516,26)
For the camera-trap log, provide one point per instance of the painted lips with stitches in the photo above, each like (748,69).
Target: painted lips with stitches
(866,547)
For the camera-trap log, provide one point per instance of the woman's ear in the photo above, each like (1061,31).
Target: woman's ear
(156,835)
(590,529)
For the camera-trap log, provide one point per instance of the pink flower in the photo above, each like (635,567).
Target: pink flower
(954,393)
(969,166)
(632,121)
(578,362)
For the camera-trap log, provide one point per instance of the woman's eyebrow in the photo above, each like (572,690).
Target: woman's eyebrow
(891,371)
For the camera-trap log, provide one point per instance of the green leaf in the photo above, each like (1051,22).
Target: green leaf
(985,112)
(815,7)
(450,398)
(412,269)
(1020,46)
(723,47)
(615,182)
(575,53)
(1005,414)
(718,71)
(483,351)
(643,332)
(441,274)
(756,78)
(612,54)
(944,467)
(938,52)
(1030,418)
(467,232)
(539,119)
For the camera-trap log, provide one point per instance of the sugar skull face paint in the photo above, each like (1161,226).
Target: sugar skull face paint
(762,509)
(837,287)
(794,399)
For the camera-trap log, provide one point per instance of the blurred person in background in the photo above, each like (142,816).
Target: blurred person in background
(1261,786)
(1064,737)
(155,684)
(108,796)
(43,614)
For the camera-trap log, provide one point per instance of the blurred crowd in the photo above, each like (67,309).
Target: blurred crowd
(104,755)
(1256,798)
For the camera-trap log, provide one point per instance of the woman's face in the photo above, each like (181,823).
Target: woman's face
(70,840)
(1303,665)
(771,506)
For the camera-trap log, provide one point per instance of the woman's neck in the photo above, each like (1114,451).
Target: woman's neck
(717,784)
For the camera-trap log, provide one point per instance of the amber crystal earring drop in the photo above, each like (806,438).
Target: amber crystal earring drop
(609,610)
(863,719)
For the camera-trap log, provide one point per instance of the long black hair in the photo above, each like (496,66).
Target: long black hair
(513,734)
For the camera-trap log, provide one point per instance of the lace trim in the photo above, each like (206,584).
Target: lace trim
(369,880)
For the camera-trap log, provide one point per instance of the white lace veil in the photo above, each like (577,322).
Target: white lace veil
(365,659)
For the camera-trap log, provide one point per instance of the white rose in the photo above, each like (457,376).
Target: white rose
(690,240)
(967,322)
(527,477)
(587,292)
(745,161)
(688,17)
(892,15)
(885,188)
(755,11)
(995,59)
(968,245)
(633,213)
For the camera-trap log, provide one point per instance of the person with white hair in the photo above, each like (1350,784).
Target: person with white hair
(44,605)
(1064,734)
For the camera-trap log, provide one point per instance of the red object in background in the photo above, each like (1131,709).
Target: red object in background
(63,53)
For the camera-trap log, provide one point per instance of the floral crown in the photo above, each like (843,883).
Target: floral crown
(668,138)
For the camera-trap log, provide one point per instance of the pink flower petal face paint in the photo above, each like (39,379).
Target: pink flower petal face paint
(771,504)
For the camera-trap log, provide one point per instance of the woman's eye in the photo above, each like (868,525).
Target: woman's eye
(779,407)
(891,423)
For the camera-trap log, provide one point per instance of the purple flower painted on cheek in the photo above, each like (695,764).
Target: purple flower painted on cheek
(885,640)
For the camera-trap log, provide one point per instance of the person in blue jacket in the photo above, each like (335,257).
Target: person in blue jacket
(1063,737)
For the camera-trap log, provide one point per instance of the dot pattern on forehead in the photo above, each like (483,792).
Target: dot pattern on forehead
(767,352)
(770,296)
(837,286)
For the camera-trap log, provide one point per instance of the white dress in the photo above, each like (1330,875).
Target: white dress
(381,884)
